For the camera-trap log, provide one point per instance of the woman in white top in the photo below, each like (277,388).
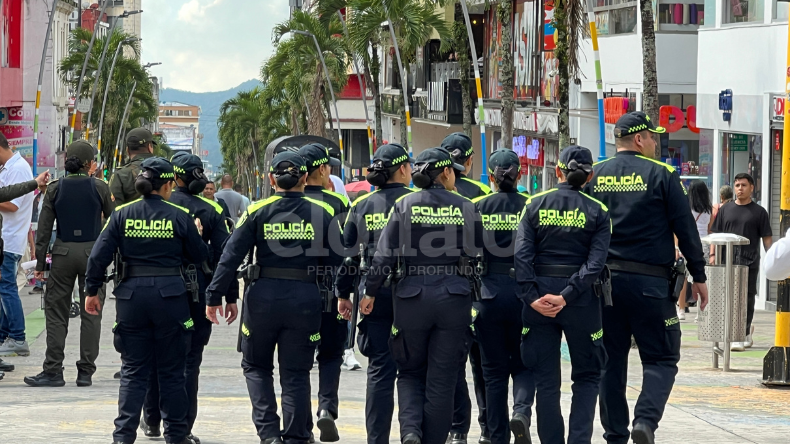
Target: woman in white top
(701,209)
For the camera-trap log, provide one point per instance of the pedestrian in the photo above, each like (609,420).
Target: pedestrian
(190,181)
(777,259)
(701,209)
(725,195)
(334,329)
(210,193)
(498,322)
(232,199)
(337,185)
(647,205)
(459,145)
(139,146)
(390,173)
(282,305)
(153,325)
(245,199)
(561,249)
(746,218)
(78,203)
(427,241)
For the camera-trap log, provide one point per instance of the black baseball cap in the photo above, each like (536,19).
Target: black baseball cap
(315,155)
(288,156)
(161,168)
(184,163)
(459,145)
(503,158)
(436,158)
(576,157)
(391,155)
(139,137)
(82,150)
(634,122)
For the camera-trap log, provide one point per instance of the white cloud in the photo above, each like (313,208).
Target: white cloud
(191,11)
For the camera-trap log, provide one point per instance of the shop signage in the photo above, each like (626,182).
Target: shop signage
(530,121)
(689,119)
(739,142)
(778,110)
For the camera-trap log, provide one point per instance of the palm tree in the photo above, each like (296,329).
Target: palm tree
(571,25)
(505,17)
(650,79)
(462,50)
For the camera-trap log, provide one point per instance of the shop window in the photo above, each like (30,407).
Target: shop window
(615,17)
(742,153)
(781,10)
(10,34)
(742,11)
(673,16)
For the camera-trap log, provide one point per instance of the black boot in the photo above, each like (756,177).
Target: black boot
(519,425)
(457,438)
(45,379)
(484,437)
(149,430)
(117,375)
(642,434)
(411,438)
(83,379)
(275,440)
(194,438)
(326,424)
(6,367)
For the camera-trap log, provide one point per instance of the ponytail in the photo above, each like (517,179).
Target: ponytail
(73,165)
(576,178)
(145,183)
(506,178)
(378,175)
(286,175)
(423,178)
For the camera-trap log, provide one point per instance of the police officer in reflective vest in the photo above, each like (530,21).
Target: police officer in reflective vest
(390,172)
(153,238)
(140,146)
(425,243)
(648,204)
(561,250)
(282,304)
(190,182)
(334,329)
(78,203)
(498,313)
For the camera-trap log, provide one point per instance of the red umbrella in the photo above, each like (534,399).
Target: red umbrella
(354,187)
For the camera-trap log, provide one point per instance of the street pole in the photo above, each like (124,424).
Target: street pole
(40,81)
(107,91)
(98,74)
(362,89)
(776,370)
(403,83)
(481,112)
(334,102)
(84,65)
(598,82)
(120,128)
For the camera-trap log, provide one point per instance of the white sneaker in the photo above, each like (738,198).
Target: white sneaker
(749,341)
(12,347)
(737,347)
(681,314)
(350,361)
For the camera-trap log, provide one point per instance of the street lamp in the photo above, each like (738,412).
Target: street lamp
(362,89)
(388,24)
(40,81)
(110,33)
(481,113)
(148,65)
(107,87)
(334,102)
(120,128)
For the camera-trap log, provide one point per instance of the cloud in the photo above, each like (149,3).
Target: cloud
(193,10)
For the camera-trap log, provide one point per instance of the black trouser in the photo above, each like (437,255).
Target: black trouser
(498,328)
(373,341)
(540,349)
(462,411)
(153,329)
(754,273)
(428,343)
(285,315)
(642,308)
(334,335)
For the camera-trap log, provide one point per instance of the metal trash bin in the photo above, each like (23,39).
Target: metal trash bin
(724,320)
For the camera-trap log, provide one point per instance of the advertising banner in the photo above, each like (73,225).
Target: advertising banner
(16,124)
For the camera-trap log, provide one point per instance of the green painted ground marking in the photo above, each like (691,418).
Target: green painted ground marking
(35,323)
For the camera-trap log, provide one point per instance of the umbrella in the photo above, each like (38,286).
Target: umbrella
(354,187)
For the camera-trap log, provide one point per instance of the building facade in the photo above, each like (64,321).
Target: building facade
(179,124)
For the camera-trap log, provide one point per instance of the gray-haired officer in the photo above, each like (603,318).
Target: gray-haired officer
(390,172)
(426,238)
(77,202)
(561,250)
(287,234)
(648,205)
(153,238)
(498,322)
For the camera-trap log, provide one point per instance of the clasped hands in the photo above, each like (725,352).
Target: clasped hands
(549,305)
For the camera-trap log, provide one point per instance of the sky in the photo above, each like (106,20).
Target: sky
(208,45)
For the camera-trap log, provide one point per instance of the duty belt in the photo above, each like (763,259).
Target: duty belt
(289,274)
(639,268)
(499,268)
(556,271)
(132,271)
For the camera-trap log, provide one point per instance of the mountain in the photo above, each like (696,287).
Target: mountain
(209,103)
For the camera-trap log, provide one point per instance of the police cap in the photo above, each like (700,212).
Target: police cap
(138,138)
(161,168)
(290,157)
(391,155)
(459,145)
(82,150)
(435,158)
(634,122)
(315,155)
(186,163)
(576,157)
(503,158)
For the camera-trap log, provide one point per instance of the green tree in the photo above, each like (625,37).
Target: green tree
(570,21)
(650,79)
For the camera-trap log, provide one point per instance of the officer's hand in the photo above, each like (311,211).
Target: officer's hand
(344,307)
(199,226)
(43,179)
(700,292)
(211,313)
(39,275)
(92,305)
(366,305)
(231,313)
(554,299)
(545,308)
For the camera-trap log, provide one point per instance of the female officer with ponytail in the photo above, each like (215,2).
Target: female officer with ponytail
(425,240)
(498,321)
(390,172)
(561,248)
(289,233)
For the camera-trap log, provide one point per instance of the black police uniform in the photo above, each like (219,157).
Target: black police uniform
(498,314)
(428,232)
(153,321)
(334,329)
(459,145)
(282,306)
(366,220)
(561,249)
(215,234)
(648,204)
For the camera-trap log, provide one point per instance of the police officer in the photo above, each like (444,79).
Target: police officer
(498,321)
(153,237)
(334,329)
(561,250)
(428,235)
(460,147)
(140,146)
(78,203)
(390,172)
(289,232)
(191,181)
(648,204)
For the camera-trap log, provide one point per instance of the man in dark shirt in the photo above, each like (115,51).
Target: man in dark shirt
(746,218)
